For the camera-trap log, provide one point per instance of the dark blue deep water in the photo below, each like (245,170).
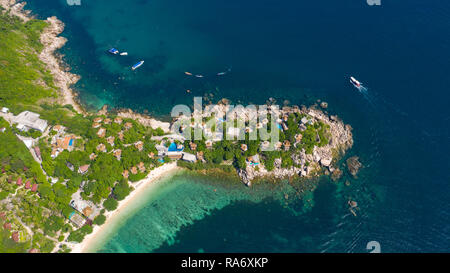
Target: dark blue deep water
(292,50)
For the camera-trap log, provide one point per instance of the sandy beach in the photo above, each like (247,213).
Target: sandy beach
(111,216)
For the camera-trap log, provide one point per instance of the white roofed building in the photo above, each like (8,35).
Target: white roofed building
(29,120)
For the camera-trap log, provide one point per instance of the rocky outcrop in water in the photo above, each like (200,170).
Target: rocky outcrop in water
(354,165)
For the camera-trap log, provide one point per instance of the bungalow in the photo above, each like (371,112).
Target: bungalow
(98,120)
(92,156)
(57,128)
(265,145)
(141,167)
(285,127)
(244,147)
(5,110)
(3,215)
(287,145)
(128,125)
(134,170)
(107,121)
(139,145)
(101,148)
(37,151)
(209,144)
(15,236)
(118,154)
(110,140)
(54,153)
(200,156)
(151,155)
(83,169)
(120,135)
(19,181)
(193,146)
(118,120)
(34,188)
(7,226)
(28,185)
(125,174)
(101,132)
(96,125)
(278,145)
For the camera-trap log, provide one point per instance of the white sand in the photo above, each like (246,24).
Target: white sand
(112,216)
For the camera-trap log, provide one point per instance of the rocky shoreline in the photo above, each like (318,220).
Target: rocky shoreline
(51,41)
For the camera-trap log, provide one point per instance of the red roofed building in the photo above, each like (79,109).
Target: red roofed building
(3,215)
(15,236)
(28,185)
(19,181)
(7,226)
(34,188)
(33,250)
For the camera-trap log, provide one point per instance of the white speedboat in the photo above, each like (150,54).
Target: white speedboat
(355,82)
(124,54)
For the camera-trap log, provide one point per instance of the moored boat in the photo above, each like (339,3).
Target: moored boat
(113,51)
(136,66)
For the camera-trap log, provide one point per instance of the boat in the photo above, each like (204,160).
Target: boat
(124,54)
(188,73)
(221,73)
(199,76)
(113,51)
(136,66)
(356,83)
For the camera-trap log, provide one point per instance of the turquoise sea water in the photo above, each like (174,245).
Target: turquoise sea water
(299,51)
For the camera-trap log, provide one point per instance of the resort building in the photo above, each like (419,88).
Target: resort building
(101,132)
(98,120)
(87,208)
(37,152)
(107,121)
(118,120)
(77,219)
(110,140)
(96,125)
(5,110)
(141,167)
(28,120)
(244,147)
(189,157)
(209,144)
(128,125)
(125,174)
(118,154)
(193,146)
(83,169)
(139,145)
(101,148)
